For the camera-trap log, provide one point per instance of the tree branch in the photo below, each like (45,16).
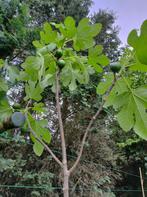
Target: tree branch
(45,146)
(91,123)
(64,156)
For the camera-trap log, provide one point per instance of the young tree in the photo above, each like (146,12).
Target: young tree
(58,63)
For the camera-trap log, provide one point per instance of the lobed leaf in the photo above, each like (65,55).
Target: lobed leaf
(3,85)
(131,105)
(139,43)
(5,109)
(38,148)
(84,38)
(103,86)
(43,133)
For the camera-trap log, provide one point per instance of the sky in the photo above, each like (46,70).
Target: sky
(130,14)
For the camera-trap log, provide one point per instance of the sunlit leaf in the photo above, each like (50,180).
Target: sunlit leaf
(33,91)
(38,148)
(131,105)
(5,109)
(139,43)
(84,37)
(3,85)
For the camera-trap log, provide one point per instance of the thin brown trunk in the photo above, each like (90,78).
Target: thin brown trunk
(63,144)
(90,124)
(66,182)
(141,181)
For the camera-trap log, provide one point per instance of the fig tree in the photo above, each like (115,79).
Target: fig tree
(18,119)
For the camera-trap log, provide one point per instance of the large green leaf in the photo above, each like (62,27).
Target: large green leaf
(38,148)
(33,91)
(138,66)
(42,133)
(68,29)
(31,66)
(3,85)
(85,34)
(2,63)
(48,48)
(33,62)
(96,58)
(39,127)
(5,109)
(13,73)
(39,107)
(48,35)
(139,43)
(131,105)
(75,70)
(126,117)
(104,84)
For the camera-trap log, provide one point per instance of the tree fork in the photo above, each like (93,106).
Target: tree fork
(91,123)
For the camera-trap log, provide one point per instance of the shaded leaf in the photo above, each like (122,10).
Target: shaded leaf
(2,63)
(85,34)
(96,58)
(38,148)
(33,91)
(5,109)
(105,84)
(3,85)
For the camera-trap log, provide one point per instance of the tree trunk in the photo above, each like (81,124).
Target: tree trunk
(66,182)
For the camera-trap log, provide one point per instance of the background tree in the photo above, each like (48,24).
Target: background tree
(16,33)
(109,34)
(57,10)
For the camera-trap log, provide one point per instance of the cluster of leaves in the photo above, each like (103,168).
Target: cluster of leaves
(130,102)
(57,10)
(39,71)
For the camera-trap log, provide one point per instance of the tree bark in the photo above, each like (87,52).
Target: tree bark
(66,182)
(63,144)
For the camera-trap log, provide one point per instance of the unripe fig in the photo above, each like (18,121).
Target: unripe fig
(58,53)
(61,63)
(115,67)
(18,119)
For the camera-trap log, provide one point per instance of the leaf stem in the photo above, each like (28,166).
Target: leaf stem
(60,120)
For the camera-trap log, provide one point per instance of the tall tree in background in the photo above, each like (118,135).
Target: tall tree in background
(15,29)
(57,10)
(108,36)
(21,20)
